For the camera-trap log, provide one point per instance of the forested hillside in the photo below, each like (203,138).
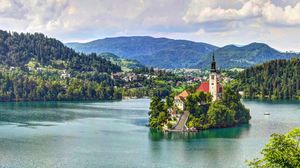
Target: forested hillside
(35,67)
(18,49)
(278,79)
(125,64)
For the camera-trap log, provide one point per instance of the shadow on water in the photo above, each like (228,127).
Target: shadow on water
(25,112)
(234,132)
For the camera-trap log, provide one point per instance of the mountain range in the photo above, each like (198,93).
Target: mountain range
(170,53)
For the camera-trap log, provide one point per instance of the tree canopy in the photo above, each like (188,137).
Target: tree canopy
(283,150)
(277,79)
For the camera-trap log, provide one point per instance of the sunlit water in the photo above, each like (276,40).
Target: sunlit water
(113,134)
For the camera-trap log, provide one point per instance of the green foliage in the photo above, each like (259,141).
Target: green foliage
(278,79)
(22,86)
(220,116)
(194,100)
(281,151)
(156,113)
(231,99)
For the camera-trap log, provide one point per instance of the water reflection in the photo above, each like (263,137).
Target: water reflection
(235,132)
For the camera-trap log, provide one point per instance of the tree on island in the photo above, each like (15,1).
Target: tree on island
(281,151)
(157,113)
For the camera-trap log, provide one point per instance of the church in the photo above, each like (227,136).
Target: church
(213,86)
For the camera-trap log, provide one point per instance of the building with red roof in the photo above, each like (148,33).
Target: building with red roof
(204,87)
(179,99)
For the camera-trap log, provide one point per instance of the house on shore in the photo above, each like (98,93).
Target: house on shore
(179,100)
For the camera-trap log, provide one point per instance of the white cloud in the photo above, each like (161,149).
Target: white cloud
(249,9)
(261,9)
(288,15)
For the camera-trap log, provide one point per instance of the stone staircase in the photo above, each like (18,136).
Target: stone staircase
(181,124)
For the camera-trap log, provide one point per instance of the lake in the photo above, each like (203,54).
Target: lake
(113,134)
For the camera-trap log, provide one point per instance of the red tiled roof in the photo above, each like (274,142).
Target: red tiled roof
(204,87)
(183,95)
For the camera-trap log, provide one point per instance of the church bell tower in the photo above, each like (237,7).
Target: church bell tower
(213,79)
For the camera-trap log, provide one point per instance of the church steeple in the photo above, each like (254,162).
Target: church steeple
(213,67)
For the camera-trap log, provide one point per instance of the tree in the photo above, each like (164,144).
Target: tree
(156,113)
(220,116)
(281,151)
(231,99)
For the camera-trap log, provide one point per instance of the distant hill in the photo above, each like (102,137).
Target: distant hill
(19,49)
(156,52)
(125,64)
(244,56)
(169,53)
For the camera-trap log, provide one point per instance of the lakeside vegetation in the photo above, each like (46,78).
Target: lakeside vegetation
(277,79)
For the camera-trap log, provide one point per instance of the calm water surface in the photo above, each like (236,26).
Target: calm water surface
(113,134)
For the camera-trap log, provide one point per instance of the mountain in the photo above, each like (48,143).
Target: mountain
(125,64)
(169,53)
(245,56)
(18,50)
(156,52)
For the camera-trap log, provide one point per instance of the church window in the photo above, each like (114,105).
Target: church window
(212,76)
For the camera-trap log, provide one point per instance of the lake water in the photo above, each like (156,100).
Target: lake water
(113,134)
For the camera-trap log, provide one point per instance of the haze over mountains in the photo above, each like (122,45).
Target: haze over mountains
(169,53)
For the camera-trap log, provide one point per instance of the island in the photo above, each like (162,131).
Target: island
(214,104)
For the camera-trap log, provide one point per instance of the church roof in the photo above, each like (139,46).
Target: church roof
(204,87)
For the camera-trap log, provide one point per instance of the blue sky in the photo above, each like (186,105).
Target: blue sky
(219,22)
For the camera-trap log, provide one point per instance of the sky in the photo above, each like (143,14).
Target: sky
(218,22)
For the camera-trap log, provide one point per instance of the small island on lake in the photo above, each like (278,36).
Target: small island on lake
(212,105)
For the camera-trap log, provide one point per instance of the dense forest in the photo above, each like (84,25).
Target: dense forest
(277,79)
(23,86)
(18,49)
(35,67)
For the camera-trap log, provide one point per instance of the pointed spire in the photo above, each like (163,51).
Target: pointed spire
(213,64)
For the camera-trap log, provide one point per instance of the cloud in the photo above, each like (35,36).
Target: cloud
(218,22)
(265,10)
(249,9)
(35,15)
(288,15)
